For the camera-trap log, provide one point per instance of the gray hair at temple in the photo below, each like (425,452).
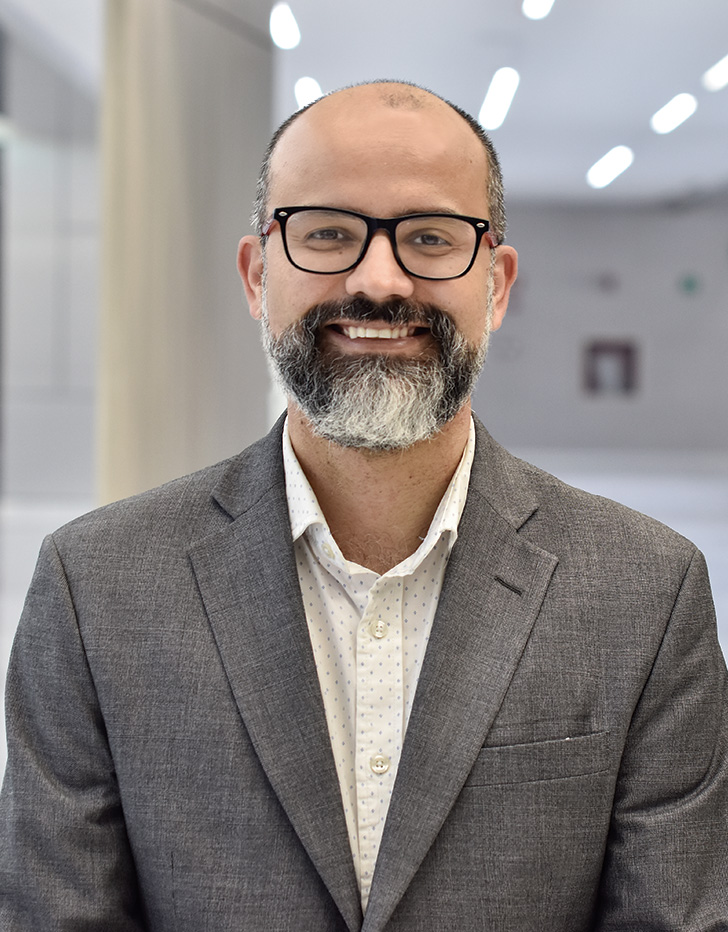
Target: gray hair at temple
(494,182)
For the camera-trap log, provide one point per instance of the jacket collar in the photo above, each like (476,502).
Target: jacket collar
(500,478)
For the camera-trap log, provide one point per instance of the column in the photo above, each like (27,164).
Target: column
(186,118)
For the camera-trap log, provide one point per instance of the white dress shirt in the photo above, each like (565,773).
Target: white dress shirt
(369,634)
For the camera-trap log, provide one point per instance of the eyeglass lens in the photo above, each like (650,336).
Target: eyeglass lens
(330,241)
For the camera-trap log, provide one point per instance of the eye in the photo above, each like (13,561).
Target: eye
(435,236)
(329,234)
(328,237)
(429,239)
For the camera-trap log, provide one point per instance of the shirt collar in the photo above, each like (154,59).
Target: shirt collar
(305,512)
(303,507)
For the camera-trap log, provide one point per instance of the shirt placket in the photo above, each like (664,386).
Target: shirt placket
(379,715)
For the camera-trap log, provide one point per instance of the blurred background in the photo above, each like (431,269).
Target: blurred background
(131,133)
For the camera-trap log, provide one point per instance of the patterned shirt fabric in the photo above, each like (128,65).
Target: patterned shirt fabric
(369,634)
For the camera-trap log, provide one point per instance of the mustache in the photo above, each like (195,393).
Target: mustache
(395,313)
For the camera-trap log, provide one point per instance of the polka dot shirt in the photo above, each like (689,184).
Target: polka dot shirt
(369,634)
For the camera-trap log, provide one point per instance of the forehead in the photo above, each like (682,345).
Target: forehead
(382,150)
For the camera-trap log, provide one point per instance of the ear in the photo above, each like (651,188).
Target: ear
(250,268)
(506,270)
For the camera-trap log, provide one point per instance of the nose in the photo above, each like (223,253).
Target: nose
(379,276)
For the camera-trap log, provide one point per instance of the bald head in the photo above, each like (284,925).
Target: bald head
(392,106)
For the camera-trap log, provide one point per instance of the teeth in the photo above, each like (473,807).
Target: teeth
(378,333)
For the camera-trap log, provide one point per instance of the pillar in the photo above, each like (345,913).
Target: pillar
(186,118)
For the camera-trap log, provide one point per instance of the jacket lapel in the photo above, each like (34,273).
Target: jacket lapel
(249,584)
(493,590)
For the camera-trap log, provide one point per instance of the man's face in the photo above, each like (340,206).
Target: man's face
(355,152)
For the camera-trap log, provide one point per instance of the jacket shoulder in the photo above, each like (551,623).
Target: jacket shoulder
(592,517)
(184,509)
(560,517)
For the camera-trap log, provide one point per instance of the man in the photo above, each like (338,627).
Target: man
(374,673)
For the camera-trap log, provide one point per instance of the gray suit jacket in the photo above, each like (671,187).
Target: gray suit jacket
(169,763)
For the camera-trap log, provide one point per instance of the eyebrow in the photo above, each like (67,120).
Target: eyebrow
(432,210)
(399,213)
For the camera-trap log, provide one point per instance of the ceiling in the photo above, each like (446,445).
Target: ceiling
(68,33)
(592,74)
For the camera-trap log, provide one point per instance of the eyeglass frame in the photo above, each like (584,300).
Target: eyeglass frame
(281,215)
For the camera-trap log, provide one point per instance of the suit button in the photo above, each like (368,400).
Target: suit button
(379,764)
(378,629)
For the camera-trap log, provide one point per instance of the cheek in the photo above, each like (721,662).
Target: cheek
(477,324)
(468,306)
(475,303)
(290,295)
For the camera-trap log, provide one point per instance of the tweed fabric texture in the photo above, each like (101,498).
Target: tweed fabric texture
(169,768)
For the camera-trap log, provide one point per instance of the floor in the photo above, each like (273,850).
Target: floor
(690,493)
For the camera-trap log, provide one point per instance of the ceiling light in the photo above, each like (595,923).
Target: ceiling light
(307,90)
(284,29)
(673,113)
(499,97)
(537,9)
(610,166)
(716,78)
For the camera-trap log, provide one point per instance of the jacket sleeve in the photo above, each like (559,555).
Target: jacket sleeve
(65,859)
(666,865)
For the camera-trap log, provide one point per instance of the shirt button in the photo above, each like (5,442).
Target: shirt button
(379,764)
(328,551)
(378,629)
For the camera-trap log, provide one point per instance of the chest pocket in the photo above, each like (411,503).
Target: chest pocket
(541,760)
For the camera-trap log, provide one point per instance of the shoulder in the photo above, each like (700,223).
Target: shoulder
(184,510)
(569,521)
(599,525)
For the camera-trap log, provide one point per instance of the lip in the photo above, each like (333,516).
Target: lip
(379,336)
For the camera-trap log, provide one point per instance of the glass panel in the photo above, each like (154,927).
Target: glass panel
(438,247)
(324,240)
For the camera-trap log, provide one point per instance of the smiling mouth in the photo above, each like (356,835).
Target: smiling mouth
(380,332)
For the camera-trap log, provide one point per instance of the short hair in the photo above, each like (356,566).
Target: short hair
(494,182)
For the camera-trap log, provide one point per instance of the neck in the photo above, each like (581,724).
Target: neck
(379,505)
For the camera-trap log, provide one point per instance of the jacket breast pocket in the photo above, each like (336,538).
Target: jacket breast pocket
(541,760)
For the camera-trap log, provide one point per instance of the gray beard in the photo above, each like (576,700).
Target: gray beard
(375,401)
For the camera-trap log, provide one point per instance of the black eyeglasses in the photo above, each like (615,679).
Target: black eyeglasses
(327,241)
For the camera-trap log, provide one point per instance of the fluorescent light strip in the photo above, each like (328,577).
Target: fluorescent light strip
(284,29)
(499,98)
(537,9)
(610,166)
(667,118)
(307,90)
(716,78)
(673,113)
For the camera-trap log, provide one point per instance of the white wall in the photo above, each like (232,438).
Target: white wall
(588,274)
(50,282)
(52,255)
